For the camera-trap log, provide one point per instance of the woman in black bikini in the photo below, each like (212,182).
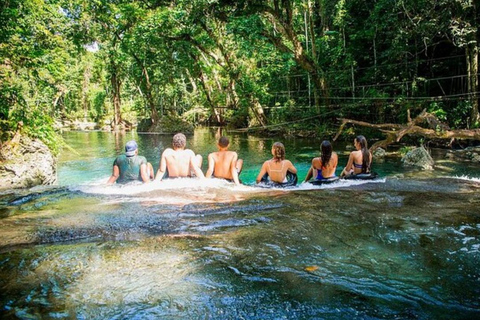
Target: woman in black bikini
(324,166)
(360,160)
(278,166)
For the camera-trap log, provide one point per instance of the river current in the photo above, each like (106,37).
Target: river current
(405,246)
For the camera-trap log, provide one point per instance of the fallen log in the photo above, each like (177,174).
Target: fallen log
(395,132)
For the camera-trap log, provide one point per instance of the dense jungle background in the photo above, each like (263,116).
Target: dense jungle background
(281,65)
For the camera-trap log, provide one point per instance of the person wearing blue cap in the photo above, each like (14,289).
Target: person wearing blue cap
(130,166)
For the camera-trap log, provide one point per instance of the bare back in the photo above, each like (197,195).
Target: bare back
(224,162)
(277,170)
(328,170)
(355,163)
(177,162)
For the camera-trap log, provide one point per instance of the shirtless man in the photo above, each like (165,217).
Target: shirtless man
(179,162)
(224,164)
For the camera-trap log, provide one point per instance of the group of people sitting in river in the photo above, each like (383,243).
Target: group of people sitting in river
(179,162)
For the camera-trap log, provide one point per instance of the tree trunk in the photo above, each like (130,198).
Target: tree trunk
(304,61)
(311,29)
(395,132)
(148,94)
(148,91)
(192,81)
(472,79)
(61,91)
(203,82)
(86,83)
(233,98)
(258,112)
(116,101)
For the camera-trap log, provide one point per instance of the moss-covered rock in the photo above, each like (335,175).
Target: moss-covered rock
(418,157)
(26,163)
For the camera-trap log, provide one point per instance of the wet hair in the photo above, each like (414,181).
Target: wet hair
(326,148)
(223,142)
(179,141)
(278,151)
(365,153)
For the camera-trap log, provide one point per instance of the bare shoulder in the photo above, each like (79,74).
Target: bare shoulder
(232,154)
(189,152)
(167,152)
(335,157)
(212,154)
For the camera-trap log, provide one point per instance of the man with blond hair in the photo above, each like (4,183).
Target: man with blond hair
(179,162)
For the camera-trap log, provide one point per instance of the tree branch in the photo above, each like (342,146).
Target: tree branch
(395,132)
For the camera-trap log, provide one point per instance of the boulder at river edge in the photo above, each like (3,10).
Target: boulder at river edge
(379,153)
(418,157)
(26,163)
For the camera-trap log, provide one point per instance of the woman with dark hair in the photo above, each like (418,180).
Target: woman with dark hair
(360,160)
(324,166)
(277,167)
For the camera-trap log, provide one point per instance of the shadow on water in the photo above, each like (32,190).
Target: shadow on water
(397,248)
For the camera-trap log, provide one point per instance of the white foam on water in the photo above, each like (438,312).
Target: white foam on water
(465,177)
(470,244)
(170,191)
(134,188)
(342,183)
(188,190)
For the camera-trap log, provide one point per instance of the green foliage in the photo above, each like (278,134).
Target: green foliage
(405,149)
(437,109)
(372,61)
(460,115)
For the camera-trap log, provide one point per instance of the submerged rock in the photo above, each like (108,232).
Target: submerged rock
(418,157)
(26,163)
(468,154)
(379,153)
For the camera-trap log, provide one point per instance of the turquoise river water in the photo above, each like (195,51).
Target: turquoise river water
(405,246)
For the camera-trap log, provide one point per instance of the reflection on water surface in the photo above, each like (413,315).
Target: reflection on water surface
(403,248)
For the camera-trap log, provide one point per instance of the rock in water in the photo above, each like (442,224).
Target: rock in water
(379,153)
(26,163)
(418,157)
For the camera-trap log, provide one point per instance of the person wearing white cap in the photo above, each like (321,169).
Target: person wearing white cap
(130,166)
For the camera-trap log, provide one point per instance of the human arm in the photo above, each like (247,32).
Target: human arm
(195,166)
(263,170)
(291,167)
(311,171)
(211,166)
(309,174)
(161,168)
(349,165)
(115,175)
(144,173)
(335,161)
(233,168)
